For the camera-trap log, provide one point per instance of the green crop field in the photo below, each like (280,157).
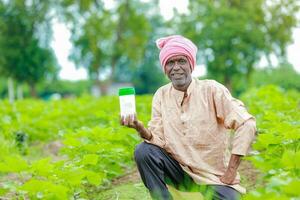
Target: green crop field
(76,149)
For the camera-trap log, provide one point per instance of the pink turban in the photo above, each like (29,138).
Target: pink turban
(175,45)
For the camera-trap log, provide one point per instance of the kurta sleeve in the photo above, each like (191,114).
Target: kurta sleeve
(155,125)
(233,114)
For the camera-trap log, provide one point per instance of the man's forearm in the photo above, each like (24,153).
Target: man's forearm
(234,162)
(144,132)
(230,173)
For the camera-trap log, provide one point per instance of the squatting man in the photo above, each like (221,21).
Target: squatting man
(187,142)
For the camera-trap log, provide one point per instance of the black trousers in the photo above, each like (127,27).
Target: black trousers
(157,168)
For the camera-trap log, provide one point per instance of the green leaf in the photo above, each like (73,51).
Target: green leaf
(45,189)
(291,159)
(13,163)
(264,140)
(95,178)
(72,142)
(292,188)
(4,168)
(72,176)
(90,159)
(43,167)
(3,191)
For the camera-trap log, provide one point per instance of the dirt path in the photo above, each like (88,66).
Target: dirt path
(131,177)
(250,174)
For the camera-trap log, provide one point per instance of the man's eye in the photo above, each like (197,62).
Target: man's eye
(182,61)
(170,63)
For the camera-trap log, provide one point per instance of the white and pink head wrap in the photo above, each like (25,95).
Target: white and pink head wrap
(175,45)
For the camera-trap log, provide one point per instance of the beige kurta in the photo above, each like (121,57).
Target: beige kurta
(195,131)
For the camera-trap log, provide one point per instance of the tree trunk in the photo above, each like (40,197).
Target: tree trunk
(33,92)
(11,93)
(19,92)
(109,81)
(103,86)
(249,72)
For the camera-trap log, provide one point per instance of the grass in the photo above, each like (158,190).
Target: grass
(130,191)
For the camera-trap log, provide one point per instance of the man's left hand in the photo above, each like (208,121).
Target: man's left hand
(229,177)
(230,174)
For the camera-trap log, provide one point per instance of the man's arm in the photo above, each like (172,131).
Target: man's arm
(234,115)
(230,174)
(240,144)
(132,122)
(142,130)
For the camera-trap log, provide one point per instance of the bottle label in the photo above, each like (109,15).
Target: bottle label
(127,105)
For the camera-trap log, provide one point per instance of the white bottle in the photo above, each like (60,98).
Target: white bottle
(127,101)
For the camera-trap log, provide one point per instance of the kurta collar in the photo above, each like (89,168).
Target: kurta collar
(179,94)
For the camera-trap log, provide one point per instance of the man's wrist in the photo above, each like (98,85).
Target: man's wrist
(234,163)
(140,127)
(150,137)
(144,132)
(232,169)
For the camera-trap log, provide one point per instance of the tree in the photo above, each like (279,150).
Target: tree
(25,57)
(149,76)
(103,38)
(233,35)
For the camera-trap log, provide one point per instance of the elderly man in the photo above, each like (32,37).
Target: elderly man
(186,141)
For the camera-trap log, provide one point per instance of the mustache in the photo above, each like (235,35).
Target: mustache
(176,73)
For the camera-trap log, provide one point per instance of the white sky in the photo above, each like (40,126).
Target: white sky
(62,45)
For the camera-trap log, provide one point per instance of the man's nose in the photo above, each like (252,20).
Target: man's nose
(176,66)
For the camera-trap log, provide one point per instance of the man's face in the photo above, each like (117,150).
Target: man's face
(179,71)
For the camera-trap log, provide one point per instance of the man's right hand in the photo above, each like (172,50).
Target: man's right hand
(131,121)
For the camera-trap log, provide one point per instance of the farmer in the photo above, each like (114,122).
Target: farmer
(187,141)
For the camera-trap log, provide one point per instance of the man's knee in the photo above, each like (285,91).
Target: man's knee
(143,152)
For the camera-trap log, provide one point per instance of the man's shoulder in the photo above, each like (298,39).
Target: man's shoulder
(163,89)
(209,84)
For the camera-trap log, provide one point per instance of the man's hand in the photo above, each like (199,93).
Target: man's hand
(229,177)
(230,174)
(132,122)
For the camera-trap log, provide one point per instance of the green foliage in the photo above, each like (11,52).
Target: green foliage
(13,163)
(64,87)
(25,57)
(95,147)
(3,87)
(39,189)
(234,34)
(45,120)
(149,76)
(133,191)
(107,38)
(47,88)
(278,143)
(284,76)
